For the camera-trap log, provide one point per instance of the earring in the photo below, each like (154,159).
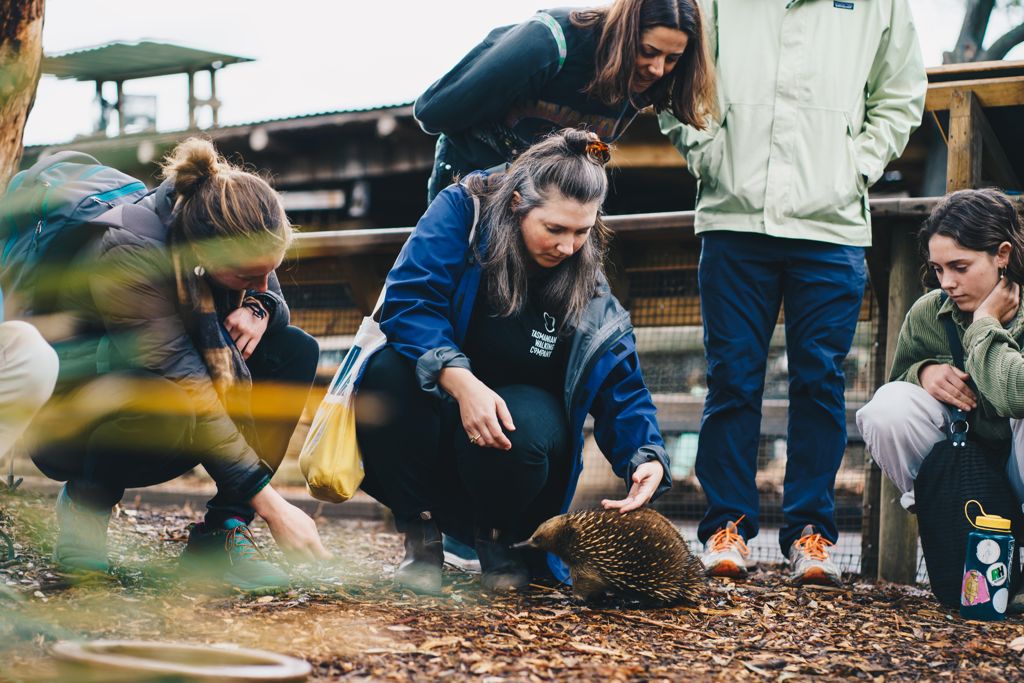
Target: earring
(1002,273)
(200,271)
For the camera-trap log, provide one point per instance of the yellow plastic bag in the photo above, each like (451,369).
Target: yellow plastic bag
(330,460)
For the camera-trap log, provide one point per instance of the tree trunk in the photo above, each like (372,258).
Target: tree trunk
(972,32)
(21,52)
(1003,44)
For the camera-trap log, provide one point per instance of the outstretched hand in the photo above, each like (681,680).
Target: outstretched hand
(294,531)
(645,482)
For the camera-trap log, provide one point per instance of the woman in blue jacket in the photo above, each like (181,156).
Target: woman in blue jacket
(567,68)
(502,337)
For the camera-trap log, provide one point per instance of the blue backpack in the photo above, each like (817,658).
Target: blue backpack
(46,218)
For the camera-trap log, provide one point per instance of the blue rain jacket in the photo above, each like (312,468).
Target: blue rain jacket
(426,311)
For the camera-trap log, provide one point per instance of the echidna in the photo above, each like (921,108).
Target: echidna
(638,555)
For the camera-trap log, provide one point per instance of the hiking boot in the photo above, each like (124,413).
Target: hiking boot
(503,569)
(81,536)
(810,562)
(726,553)
(230,553)
(420,570)
(460,556)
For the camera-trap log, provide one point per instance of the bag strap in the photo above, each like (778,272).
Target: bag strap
(472,236)
(960,423)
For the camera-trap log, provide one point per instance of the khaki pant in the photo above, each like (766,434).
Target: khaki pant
(900,425)
(28,373)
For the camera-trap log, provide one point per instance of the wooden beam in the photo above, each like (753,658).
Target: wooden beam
(991,92)
(647,155)
(974,70)
(897,533)
(963,168)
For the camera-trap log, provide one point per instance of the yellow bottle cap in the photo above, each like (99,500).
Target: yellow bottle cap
(992,522)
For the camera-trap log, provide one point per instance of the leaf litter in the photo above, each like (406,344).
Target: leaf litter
(345,619)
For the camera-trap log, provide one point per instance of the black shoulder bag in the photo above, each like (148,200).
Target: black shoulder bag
(959,469)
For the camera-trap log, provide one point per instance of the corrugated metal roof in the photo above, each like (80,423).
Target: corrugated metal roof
(122,61)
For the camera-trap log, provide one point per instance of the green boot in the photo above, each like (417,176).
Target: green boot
(81,536)
(230,554)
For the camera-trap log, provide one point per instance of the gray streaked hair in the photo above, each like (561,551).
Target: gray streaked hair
(569,163)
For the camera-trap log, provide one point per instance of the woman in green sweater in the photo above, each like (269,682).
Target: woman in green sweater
(974,247)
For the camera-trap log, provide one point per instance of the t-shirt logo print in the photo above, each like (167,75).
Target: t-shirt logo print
(549,323)
(544,344)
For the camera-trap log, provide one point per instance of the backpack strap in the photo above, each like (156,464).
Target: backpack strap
(960,424)
(59,158)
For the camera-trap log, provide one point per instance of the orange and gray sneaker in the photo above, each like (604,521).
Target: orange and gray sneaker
(726,553)
(810,562)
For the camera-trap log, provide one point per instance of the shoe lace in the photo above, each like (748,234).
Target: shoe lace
(728,537)
(813,546)
(241,543)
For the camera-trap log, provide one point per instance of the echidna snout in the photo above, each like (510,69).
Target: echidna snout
(546,535)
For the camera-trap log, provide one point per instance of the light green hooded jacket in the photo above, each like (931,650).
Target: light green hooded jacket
(815,98)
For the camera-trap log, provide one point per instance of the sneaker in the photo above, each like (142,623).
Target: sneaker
(81,536)
(810,562)
(460,556)
(231,554)
(726,553)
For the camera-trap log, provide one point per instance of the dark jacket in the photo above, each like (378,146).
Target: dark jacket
(513,88)
(429,301)
(133,294)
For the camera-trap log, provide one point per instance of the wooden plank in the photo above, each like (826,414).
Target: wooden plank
(963,168)
(897,533)
(647,155)
(993,92)
(975,70)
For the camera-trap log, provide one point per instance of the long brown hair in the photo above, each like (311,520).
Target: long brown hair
(979,220)
(569,163)
(688,91)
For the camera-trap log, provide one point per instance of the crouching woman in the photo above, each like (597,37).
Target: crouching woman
(974,248)
(195,344)
(502,336)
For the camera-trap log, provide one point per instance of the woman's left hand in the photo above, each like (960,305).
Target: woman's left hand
(645,482)
(246,329)
(1001,303)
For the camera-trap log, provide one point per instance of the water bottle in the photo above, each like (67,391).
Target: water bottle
(985,591)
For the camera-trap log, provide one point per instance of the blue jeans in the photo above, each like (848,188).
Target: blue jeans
(743,280)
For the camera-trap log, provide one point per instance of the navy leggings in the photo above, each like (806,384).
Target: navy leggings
(418,458)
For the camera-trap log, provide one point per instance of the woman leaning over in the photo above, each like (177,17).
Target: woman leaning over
(566,68)
(974,245)
(502,337)
(182,294)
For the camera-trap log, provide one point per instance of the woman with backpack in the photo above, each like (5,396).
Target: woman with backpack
(973,245)
(595,68)
(197,364)
(502,335)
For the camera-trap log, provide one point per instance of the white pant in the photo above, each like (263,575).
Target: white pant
(28,373)
(900,425)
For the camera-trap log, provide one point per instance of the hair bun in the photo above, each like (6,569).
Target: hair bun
(584,142)
(190,164)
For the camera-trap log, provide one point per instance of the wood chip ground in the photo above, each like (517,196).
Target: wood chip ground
(347,622)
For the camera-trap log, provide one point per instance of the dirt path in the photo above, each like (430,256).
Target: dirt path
(347,622)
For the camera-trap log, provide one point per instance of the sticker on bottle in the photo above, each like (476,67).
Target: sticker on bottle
(996,574)
(974,590)
(988,551)
(999,600)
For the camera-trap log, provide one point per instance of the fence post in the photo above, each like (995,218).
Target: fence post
(897,533)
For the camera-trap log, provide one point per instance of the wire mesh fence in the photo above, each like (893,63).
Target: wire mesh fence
(657,281)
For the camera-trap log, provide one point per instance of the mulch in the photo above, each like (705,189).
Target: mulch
(345,619)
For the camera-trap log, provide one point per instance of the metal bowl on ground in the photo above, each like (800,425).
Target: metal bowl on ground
(138,660)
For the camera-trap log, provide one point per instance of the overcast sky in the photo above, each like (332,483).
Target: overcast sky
(319,55)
